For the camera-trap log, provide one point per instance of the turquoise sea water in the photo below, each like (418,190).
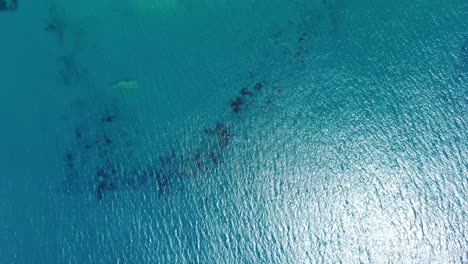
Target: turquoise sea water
(349,144)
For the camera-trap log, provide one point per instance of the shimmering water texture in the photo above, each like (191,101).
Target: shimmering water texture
(282,131)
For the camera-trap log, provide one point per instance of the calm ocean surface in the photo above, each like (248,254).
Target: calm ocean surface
(197,131)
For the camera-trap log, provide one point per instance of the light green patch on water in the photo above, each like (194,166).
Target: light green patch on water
(126,85)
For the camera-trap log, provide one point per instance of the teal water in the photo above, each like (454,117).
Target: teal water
(349,145)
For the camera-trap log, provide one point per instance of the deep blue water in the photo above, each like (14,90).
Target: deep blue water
(281,131)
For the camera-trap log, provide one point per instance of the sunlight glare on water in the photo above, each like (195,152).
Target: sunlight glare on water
(283,131)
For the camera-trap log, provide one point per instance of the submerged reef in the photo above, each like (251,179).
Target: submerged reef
(69,37)
(237,104)
(67,33)
(8,5)
(246,92)
(70,72)
(103,158)
(55,23)
(302,37)
(258,86)
(99,161)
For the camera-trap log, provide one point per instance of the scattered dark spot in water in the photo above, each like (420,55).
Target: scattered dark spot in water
(54,26)
(200,163)
(108,119)
(215,157)
(105,185)
(78,133)
(464,48)
(237,104)
(302,37)
(102,174)
(300,54)
(110,176)
(223,134)
(246,92)
(55,23)
(69,159)
(220,126)
(269,101)
(70,73)
(258,86)
(162,179)
(151,172)
(107,140)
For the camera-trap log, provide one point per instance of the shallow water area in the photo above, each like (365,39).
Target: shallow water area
(187,131)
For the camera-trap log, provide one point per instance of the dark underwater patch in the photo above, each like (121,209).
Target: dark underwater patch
(8,5)
(101,161)
(94,146)
(70,71)
(55,23)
